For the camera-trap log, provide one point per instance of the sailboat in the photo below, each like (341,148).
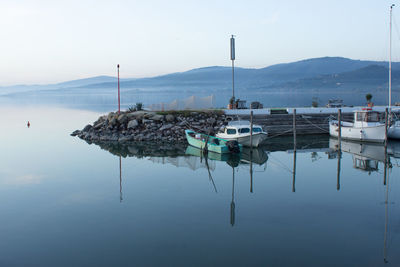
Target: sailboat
(368,125)
(394,129)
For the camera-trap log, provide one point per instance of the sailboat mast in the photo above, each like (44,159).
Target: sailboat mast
(390,61)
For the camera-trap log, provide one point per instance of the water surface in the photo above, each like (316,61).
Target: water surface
(65,202)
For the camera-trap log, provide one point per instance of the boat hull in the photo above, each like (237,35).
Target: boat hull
(394,131)
(200,143)
(349,131)
(258,138)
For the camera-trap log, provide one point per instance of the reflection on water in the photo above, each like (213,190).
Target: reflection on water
(312,204)
(364,157)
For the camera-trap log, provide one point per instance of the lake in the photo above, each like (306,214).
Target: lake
(65,202)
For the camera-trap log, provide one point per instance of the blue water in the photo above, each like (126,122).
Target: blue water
(67,203)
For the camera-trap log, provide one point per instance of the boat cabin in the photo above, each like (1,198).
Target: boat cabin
(234,130)
(367,115)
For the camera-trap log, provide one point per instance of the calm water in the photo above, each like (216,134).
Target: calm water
(103,100)
(67,203)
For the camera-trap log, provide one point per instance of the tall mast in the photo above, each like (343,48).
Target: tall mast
(390,61)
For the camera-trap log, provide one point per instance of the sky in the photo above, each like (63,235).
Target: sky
(53,41)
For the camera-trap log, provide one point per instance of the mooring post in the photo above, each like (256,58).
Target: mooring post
(251,170)
(294,172)
(340,129)
(294,130)
(251,151)
(385,165)
(294,151)
(339,155)
(386,124)
(251,131)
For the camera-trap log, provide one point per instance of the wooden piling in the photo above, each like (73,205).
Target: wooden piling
(251,129)
(251,170)
(294,172)
(340,129)
(294,130)
(386,124)
(339,155)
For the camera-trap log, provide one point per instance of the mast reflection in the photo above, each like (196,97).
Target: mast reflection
(120,180)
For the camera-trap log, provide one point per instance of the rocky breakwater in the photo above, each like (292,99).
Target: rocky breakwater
(145,126)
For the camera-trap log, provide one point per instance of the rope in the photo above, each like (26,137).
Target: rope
(276,135)
(305,118)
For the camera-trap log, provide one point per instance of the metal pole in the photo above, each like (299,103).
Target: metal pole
(119,103)
(390,60)
(233,199)
(120,180)
(233,65)
(233,79)
(385,238)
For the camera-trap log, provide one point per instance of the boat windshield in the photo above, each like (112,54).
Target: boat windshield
(244,130)
(230,131)
(257,130)
(368,116)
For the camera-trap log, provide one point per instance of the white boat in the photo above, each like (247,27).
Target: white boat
(394,129)
(240,131)
(367,126)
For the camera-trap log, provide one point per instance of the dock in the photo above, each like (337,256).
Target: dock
(304,121)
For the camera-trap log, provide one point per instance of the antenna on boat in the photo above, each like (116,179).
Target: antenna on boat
(390,63)
(233,65)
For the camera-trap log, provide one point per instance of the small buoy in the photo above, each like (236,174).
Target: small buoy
(28,124)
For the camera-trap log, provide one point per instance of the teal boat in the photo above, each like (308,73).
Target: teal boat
(212,143)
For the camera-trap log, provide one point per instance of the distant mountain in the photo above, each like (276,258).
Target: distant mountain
(369,77)
(62,85)
(87,81)
(325,72)
(219,77)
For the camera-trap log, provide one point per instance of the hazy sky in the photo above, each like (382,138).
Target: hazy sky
(52,41)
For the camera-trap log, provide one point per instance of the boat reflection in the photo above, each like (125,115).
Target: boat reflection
(248,155)
(366,156)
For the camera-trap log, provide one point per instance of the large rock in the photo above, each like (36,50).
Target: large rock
(87,128)
(98,125)
(166,127)
(157,117)
(211,120)
(113,122)
(132,124)
(76,132)
(122,119)
(169,118)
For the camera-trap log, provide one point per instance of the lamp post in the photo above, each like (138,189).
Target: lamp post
(233,66)
(119,103)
